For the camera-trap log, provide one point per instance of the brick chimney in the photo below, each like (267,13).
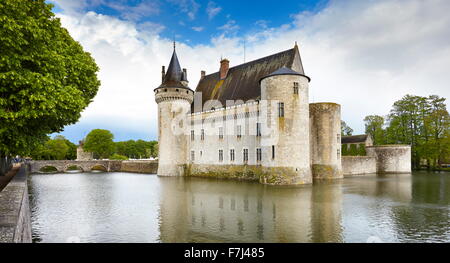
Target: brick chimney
(202,74)
(224,66)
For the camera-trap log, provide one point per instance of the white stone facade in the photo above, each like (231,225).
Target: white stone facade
(278,139)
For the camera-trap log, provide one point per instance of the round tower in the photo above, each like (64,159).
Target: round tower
(174,99)
(325,119)
(286,93)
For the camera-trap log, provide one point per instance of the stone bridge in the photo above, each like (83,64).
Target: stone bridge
(85,166)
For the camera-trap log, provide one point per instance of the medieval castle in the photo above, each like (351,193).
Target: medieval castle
(254,121)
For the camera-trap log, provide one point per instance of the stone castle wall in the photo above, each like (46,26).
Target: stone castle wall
(356,165)
(84,156)
(391,158)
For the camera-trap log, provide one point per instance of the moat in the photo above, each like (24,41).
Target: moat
(124,207)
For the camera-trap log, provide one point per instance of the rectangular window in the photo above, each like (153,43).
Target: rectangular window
(203,135)
(192,135)
(220,155)
(239,131)
(259,154)
(192,156)
(220,133)
(338,138)
(338,154)
(296,88)
(232,156)
(280,109)
(273,151)
(258,129)
(245,155)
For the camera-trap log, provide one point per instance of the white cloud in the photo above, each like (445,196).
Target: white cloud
(198,28)
(190,7)
(145,8)
(212,10)
(363,55)
(229,27)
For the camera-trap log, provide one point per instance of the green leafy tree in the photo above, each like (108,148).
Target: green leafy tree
(46,79)
(118,157)
(155,150)
(345,129)
(72,148)
(57,149)
(100,142)
(423,123)
(362,149)
(374,127)
(353,151)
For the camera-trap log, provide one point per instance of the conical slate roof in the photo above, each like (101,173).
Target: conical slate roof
(174,74)
(283,71)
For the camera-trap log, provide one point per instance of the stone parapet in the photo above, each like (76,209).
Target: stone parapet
(15,217)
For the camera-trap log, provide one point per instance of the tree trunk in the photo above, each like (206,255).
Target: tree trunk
(5,164)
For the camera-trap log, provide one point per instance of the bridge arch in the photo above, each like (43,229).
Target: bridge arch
(99,167)
(48,169)
(73,167)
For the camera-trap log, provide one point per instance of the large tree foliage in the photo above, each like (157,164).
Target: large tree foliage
(58,148)
(422,122)
(374,127)
(100,142)
(46,79)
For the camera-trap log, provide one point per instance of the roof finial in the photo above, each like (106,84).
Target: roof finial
(174,44)
(296,44)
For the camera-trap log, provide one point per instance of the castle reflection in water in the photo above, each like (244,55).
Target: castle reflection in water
(144,208)
(201,210)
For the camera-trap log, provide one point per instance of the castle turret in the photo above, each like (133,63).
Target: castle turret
(174,99)
(326,154)
(286,92)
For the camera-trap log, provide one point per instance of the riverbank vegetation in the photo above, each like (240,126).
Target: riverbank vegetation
(422,122)
(101,144)
(58,148)
(46,78)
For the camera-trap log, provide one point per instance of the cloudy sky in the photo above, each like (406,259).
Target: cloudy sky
(364,55)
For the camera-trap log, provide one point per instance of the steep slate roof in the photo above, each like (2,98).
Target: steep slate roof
(174,74)
(242,82)
(354,139)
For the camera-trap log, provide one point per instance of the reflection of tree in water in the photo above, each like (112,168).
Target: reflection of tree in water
(427,215)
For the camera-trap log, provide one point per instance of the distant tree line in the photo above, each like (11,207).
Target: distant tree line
(422,122)
(100,143)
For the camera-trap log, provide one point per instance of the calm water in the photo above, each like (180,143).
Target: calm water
(122,207)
